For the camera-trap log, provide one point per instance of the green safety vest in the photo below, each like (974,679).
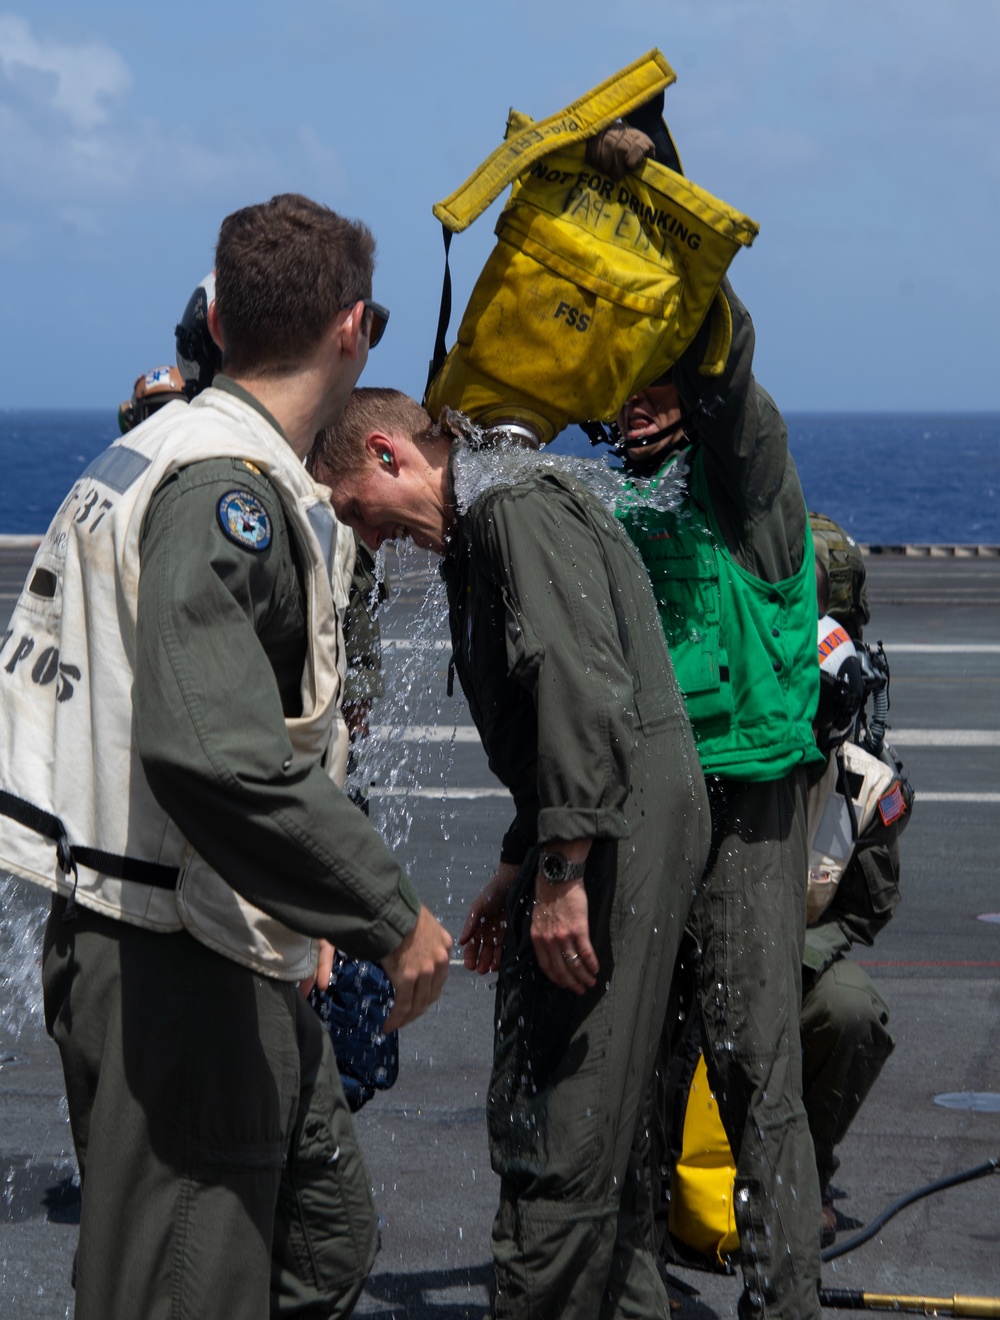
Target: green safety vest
(743,650)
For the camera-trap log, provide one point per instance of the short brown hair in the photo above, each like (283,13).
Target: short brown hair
(340,451)
(283,269)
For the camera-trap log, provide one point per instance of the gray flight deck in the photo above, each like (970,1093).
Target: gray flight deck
(937,964)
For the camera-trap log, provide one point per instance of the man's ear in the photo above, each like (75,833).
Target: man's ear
(215,326)
(384,450)
(350,330)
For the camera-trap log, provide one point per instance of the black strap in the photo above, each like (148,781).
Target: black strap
(444,315)
(846,789)
(595,433)
(135,869)
(115,865)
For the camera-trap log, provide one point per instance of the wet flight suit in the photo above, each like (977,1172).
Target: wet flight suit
(558,650)
(211,1128)
(733,576)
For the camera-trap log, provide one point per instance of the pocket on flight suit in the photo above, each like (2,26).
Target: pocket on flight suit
(511,1125)
(326,1229)
(545,1036)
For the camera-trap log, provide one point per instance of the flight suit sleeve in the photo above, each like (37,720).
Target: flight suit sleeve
(564,648)
(756,494)
(868,895)
(514,847)
(209,705)
(865,901)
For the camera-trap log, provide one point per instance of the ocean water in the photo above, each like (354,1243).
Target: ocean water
(894,478)
(888,478)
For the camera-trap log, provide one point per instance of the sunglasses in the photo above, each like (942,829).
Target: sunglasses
(380,318)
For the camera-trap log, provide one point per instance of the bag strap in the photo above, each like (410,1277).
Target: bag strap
(602,105)
(444,316)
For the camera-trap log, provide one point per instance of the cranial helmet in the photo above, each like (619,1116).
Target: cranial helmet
(151,392)
(198,355)
(841,683)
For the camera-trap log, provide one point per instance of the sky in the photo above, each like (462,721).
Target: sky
(863,136)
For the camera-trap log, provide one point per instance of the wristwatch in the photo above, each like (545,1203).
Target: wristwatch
(557,869)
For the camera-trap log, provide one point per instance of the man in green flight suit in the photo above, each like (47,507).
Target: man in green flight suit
(558,648)
(733,573)
(171,780)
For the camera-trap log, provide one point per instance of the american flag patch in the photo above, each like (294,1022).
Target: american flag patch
(892,805)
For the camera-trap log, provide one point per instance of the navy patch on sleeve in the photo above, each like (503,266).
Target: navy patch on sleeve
(245,520)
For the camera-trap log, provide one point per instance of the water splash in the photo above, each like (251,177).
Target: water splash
(477,470)
(480,464)
(415,697)
(23,912)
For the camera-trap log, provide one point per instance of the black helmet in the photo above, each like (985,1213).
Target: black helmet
(841,683)
(198,355)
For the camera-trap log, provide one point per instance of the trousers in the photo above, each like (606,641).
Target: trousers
(218,1166)
(570,1091)
(845,1042)
(748,923)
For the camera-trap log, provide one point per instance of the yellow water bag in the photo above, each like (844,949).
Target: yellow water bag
(702,1212)
(596,286)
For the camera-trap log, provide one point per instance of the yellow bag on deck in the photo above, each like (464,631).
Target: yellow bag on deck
(701,1187)
(596,287)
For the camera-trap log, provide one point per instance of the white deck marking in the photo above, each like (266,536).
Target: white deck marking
(408,644)
(991,799)
(943,737)
(442,794)
(426,733)
(943,648)
(466,733)
(896,648)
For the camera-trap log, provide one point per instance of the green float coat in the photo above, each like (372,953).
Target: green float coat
(744,650)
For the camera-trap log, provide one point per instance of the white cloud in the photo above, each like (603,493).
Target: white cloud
(66,145)
(76,81)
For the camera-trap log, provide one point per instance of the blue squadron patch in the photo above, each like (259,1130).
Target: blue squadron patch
(245,520)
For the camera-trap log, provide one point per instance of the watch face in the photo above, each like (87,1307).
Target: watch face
(554,868)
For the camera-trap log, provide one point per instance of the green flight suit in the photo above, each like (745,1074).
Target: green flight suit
(748,918)
(211,1128)
(559,652)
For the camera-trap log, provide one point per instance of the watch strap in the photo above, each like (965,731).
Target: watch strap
(563,870)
